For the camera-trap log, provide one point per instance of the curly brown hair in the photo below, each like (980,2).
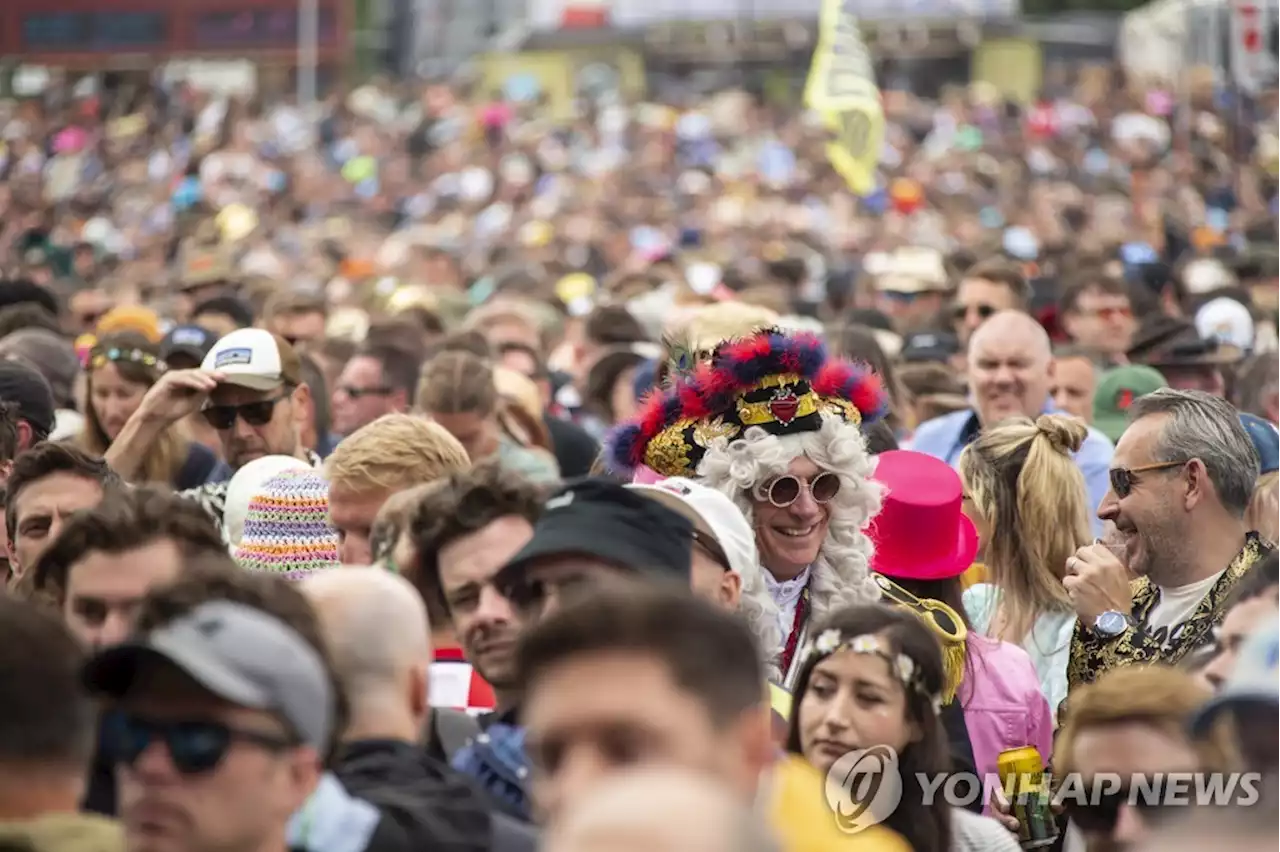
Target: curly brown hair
(133,519)
(264,592)
(460,505)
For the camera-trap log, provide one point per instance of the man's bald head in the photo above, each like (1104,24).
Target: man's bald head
(375,624)
(668,809)
(1005,326)
(1010,368)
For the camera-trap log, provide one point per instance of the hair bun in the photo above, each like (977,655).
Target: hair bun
(1065,433)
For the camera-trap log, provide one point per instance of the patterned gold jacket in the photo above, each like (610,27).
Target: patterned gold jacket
(1092,655)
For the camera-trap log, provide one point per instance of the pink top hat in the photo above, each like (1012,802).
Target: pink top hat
(921,533)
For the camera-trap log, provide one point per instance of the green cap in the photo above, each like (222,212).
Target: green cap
(1117,389)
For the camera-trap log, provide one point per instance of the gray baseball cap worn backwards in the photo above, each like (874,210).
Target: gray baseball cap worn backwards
(240,654)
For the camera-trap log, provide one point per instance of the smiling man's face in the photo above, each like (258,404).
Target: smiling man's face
(1010,376)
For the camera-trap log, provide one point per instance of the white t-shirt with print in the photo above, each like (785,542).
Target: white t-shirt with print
(1175,605)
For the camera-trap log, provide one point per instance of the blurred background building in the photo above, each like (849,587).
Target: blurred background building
(556,49)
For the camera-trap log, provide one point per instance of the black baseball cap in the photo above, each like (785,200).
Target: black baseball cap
(23,386)
(929,346)
(187,341)
(602,519)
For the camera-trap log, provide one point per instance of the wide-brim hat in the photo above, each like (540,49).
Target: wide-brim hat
(920,533)
(783,384)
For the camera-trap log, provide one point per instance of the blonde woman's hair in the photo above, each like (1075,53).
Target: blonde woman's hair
(393,453)
(1022,481)
(1157,695)
(520,409)
(1263,514)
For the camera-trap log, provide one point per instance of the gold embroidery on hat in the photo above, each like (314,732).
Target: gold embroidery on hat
(668,452)
(842,408)
(704,432)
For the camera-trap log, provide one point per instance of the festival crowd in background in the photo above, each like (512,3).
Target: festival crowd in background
(425,471)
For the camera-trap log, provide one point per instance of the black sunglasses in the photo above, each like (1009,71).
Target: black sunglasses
(254,413)
(1122,478)
(530,595)
(194,747)
(361,393)
(1099,815)
(959,311)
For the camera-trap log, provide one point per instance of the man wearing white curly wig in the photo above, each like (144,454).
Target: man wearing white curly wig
(774,423)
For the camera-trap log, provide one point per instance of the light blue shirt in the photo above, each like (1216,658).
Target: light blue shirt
(1048,643)
(944,437)
(332,820)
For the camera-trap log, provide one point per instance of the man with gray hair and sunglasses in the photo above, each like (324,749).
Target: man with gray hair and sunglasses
(1180,482)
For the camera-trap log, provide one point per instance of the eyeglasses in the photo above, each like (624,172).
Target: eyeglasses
(1122,479)
(785,490)
(361,393)
(960,311)
(1099,815)
(194,747)
(254,413)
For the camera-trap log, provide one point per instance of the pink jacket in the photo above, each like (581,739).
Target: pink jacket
(1003,705)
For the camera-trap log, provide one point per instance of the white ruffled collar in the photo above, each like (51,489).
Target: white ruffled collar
(785,593)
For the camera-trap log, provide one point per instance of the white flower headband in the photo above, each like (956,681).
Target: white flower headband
(903,667)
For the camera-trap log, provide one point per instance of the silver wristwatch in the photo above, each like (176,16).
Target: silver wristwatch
(1111,624)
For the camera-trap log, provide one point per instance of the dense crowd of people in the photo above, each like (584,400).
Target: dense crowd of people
(432,470)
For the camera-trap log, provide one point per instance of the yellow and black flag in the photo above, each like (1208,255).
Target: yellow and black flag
(842,89)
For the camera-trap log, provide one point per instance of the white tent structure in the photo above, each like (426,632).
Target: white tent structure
(1165,37)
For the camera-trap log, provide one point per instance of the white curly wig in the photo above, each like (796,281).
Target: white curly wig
(840,576)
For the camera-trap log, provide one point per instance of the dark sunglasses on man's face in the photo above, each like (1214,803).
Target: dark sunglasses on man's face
(194,747)
(1099,814)
(529,595)
(361,393)
(960,311)
(1123,480)
(254,413)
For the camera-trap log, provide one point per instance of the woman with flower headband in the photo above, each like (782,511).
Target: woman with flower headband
(872,678)
(774,422)
(118,371)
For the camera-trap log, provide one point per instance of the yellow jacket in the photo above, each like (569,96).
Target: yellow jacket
(800,818)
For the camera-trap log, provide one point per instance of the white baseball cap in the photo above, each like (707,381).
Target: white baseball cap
(1227,321)
(254,358)
(712,514)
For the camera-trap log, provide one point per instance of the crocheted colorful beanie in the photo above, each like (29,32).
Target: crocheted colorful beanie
(287,529)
